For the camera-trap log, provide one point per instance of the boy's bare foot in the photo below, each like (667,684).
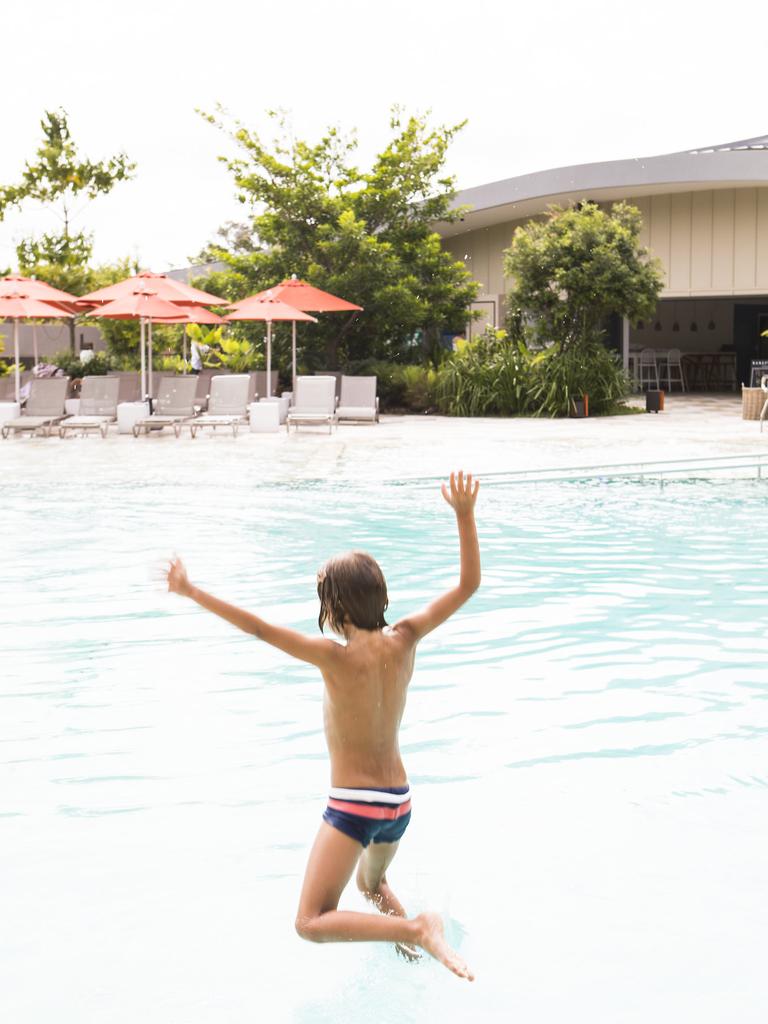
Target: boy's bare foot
(432,939)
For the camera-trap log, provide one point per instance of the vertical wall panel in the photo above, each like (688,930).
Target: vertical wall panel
(701,241)
(660,231)
(643,204)
(722,239)
(679,276)
(744,238)
(761,271)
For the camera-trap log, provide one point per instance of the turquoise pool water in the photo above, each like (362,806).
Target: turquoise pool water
(587,742)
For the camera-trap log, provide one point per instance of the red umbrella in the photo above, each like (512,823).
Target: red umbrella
(16,284)
(306,297)
(145,306)
(159,284)
(267,307)
(14,306)
(194,315)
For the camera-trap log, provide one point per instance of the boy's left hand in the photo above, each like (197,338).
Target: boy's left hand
(178,581)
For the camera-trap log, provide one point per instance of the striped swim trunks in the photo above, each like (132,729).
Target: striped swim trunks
(370,815)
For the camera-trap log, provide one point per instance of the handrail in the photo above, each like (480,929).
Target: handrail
(618,470)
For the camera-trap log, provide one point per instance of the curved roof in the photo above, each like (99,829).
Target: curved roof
(730,164)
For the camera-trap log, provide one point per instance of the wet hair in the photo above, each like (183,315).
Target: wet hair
(352,590)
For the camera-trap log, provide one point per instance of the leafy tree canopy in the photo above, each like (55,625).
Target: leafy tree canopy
(366,236)
(58,177)
(573,269)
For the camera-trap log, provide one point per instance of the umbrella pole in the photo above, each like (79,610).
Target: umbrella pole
(149,354)
(16,359)
(269,358)
(184,344)
(293,357)
(34,343)
(143,363)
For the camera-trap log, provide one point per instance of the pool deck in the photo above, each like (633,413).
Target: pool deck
(691,427)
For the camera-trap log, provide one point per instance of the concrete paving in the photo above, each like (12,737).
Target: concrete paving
(691,426)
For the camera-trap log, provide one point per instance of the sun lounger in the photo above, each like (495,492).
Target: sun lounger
(44,408)
(313,403)
(260,377)
(358,402)
(175,404)
(227,404)
(130,385)
(98,406)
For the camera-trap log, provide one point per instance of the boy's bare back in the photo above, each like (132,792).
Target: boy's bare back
(366,684)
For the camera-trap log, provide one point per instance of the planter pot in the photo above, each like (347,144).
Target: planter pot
(752,401)
(579,408)
(654,401)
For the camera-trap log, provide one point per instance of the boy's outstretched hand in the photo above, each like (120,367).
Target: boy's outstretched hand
(178,581)
(463,494)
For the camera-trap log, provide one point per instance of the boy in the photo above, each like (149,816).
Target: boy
(366,681)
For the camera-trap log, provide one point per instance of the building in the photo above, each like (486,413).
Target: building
(705,215)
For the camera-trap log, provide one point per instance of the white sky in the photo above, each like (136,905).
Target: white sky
(544,84)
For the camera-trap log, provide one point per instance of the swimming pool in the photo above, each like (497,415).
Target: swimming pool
(587,743)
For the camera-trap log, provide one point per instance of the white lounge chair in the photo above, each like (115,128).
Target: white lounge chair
(98,406)
(314,403)
(44,408)
(227,404)
(358,402)
(174,405)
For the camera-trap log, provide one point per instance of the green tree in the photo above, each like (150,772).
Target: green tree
(58,178)
(366,236)
(575,268)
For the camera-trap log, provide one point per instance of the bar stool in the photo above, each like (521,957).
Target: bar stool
(649,371)
(671,364)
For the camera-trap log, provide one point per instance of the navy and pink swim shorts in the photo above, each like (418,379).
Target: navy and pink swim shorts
(370,815)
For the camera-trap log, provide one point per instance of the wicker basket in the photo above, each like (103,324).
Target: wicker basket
(752,401)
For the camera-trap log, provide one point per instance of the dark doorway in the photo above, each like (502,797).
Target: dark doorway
(748,322)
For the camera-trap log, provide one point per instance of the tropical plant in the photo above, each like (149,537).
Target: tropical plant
(365,235)
(239,355)
(174,364)
(490,375)
(558,378)
(497,375)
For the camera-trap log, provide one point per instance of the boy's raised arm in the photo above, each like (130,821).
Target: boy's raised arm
(461,497)
(315,650)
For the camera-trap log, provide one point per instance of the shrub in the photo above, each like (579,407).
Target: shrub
(488,376)
(496,376)
(399,386)
(74,368)
(589,369)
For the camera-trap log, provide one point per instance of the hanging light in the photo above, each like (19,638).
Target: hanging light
(675,324)
(694,326)
(641,325)
(657,325)
(711,324)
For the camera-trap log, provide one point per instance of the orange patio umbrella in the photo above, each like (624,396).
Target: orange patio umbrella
(15,307)
(15,284)
(267,307)
(309,299)
(145,306)
(193,315)
(159,284)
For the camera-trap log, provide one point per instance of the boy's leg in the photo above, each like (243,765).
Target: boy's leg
(372,878)
(372,883)
(331,863)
